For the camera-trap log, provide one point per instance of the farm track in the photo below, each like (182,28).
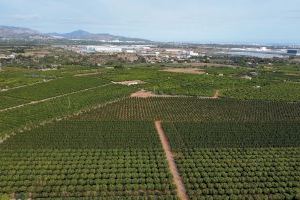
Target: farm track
(216,95)
(51,98)
(181,191)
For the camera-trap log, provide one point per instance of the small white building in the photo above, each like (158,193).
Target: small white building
(247,77)
(130,51)
(192,53)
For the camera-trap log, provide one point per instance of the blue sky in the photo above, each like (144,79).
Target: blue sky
(238,21)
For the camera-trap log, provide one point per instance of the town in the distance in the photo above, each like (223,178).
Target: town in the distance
(18,44)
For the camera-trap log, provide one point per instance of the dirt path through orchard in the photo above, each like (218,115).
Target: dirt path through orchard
(181,192)
(216,95)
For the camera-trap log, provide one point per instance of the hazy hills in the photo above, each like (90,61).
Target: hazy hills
(10,32)
(20,33)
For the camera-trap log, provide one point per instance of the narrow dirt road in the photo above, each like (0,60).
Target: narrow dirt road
(51,98)
(216,95)
(181,192)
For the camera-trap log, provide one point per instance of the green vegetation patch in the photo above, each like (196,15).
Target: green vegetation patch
(176,109)
(14,77)
(87,135)
(276,84)
(232,134)
(162,82)
(6,102)
(31,115)
(54,88)
(269,173)
(89,173)
(287,91)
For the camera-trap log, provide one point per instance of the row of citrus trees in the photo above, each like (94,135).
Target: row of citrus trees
(31,115)
(237,160)
(189,109)
(87,135)
(53,88)
(86,158)
(76,173)
(240,173)
(233,134)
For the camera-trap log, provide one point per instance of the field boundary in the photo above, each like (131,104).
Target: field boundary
(181,191)
(51,98)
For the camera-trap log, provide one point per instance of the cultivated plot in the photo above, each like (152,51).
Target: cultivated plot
(86,159)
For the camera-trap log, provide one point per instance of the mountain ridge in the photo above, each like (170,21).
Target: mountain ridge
(13,32)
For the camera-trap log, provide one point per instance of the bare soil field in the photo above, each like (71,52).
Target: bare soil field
(87,74)
(143,94)
(147,94)
(184,70)
(128,83)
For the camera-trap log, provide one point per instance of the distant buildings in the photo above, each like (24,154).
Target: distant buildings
(104,49)
(150,53)
(292,52)
(8,57)
(193,54)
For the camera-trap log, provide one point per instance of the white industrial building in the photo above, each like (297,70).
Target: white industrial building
(106,49)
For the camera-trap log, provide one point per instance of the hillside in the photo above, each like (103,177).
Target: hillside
(10,32)
(84,35)
(20,33)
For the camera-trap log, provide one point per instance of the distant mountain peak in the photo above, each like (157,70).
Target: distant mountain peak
(79,32)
